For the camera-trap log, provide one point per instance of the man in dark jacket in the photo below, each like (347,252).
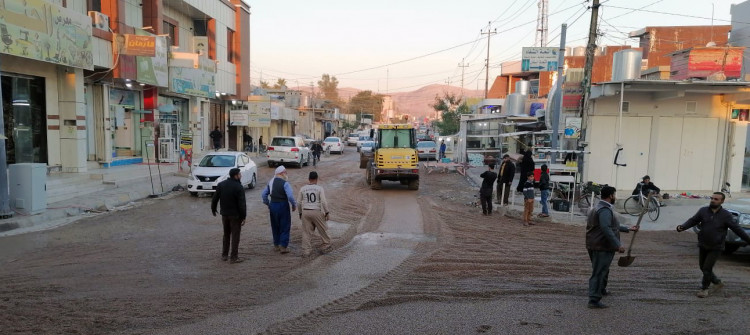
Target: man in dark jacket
(216,137)
(714,221)
(507,171)
(602,241)
(485,191)
(231,194)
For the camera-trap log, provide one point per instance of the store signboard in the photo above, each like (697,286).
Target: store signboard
(46,32)
(200,81)
(139,45)
(154,70)
(239,118)
(259,114)
(123,98)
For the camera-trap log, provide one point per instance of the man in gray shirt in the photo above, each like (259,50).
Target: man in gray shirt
(602,241)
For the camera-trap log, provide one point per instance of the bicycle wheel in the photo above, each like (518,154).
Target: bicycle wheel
(633,206)
(653,209)
(584,200)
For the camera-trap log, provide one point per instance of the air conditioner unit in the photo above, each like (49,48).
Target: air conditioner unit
(165,130)
(200,45)
(99,20)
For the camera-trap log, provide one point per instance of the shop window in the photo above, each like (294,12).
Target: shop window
(25,117)
(170,30)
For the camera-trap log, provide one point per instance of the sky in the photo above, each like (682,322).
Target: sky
(401,45)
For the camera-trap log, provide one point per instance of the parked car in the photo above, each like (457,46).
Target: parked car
(352,139)
(740,210)
(427,150)
(423,137)
(333,144)
(362,139)
(366,146)
(308,140)
(214,168)
(288,149)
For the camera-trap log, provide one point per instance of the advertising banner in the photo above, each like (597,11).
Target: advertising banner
(259,114)
(200,81)
(139,45)
(154,70)
(535,59)
(238,118)
(186,151)
(42,31)
(573,127)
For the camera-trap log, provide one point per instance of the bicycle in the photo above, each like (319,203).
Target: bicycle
(635,204)
(583,195)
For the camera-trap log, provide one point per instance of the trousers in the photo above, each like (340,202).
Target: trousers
(528,208)
(600,262)
(545,197)
(313,220)
(232,227)
(281,223)
(706,260)
(486,201)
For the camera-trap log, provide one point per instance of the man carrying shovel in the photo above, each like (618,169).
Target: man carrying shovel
(602,240)
(714,221)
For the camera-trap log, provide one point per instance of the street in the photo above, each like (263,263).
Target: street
(403,262)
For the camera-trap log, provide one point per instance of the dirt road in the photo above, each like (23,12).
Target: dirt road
(405,262)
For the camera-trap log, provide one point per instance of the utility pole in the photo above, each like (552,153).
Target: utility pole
(463,67)
(489,33)
(448,81)
(557,103)
(5,211)
(587,70)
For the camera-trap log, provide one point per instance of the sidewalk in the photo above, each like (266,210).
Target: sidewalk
(675,211)
(72,196)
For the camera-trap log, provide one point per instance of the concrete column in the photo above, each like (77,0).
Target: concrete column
(72,107)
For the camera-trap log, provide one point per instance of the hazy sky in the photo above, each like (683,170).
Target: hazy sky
(356,40)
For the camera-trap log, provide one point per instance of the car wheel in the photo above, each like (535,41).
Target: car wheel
(252,183)
(308,160)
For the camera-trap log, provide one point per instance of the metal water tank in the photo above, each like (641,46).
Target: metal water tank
(523,87)
(626,65)
(579,51)
(515,104)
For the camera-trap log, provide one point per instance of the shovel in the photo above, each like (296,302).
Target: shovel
(627,260)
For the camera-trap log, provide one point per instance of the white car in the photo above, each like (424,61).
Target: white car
(288,149)
(427,150)
(333,144)
(366,146)
(352,139)
(214,168)
(361,139)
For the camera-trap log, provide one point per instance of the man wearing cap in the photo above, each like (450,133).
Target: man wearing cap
(281,198)
(231,194)
(314,214)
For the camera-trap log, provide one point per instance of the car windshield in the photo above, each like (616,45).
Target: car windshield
(282,142)
(217,161)
(354,135)
(368,144)
(365,138)
(332,139)
(426,144)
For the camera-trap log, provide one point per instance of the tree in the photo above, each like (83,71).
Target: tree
(451,107)
(264,84)
(366,103)
(281,82)
(329,86)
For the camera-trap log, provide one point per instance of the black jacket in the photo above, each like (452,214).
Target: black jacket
(603,229)
(544,181)
(488,178)
(215,135)
(508,170)
(645,188)
(714,227)
(232,196)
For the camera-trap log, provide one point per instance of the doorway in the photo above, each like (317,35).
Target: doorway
(24,113)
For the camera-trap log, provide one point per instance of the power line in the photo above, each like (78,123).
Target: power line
(676,14)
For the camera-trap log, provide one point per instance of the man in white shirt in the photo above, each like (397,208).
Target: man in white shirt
(314,214)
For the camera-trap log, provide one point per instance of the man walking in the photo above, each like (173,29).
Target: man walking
(314,214)
(485,192)
(507,171)
(714,221)
(602,240)
(442,149)
(216,136)
(281,197)
(231,194)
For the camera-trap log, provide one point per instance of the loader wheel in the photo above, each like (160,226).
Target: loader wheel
(368,176)
(414,184)
(376,184)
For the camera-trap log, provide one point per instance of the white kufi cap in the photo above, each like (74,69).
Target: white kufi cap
(280,169)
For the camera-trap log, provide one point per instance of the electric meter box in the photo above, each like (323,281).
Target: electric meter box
(28,187)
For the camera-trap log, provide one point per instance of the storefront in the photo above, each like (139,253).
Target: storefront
(24,112)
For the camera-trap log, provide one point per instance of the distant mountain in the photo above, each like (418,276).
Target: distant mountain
(415,103)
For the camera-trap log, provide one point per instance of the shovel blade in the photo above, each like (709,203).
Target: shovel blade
(625,260)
